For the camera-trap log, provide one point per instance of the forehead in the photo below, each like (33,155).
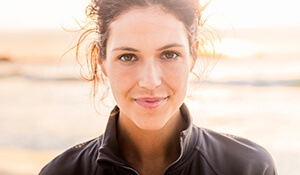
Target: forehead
(147,24)
(153,13)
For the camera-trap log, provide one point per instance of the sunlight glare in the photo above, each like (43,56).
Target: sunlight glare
(236,48)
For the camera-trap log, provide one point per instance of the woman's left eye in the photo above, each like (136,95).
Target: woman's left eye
(169,55)
(127,58)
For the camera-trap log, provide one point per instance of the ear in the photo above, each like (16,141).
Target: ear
(195,56)
(193,62)
(101,61)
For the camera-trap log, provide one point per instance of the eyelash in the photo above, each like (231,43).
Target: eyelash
(132,58)
(163,56)
(174,55)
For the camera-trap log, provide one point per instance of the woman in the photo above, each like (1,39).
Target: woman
(147,49)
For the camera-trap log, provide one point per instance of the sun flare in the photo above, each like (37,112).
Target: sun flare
(235,48)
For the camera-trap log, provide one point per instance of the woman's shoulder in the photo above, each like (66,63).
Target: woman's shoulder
(233,154)
(76,160)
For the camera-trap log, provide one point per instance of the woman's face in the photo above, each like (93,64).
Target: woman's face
(148,62)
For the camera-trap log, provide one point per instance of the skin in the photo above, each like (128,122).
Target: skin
(148,63)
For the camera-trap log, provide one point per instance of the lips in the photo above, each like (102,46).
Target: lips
(150,102)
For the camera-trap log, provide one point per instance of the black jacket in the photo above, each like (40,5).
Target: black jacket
(203,152)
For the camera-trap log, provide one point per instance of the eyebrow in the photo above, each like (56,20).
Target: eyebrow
(126,49)
(170,45)
(159,49)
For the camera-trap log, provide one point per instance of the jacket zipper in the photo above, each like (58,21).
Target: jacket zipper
(130,169)
(180,156)
(165,171)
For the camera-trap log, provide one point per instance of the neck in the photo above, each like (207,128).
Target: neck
(150,150)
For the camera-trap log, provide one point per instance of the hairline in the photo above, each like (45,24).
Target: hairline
(148,5)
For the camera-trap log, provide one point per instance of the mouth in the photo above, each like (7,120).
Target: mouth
(151,102)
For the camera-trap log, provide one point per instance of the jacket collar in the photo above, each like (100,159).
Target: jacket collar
(109,152)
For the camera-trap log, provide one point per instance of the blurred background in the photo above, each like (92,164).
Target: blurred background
(45,107)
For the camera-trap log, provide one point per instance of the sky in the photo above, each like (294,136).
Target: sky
(256,13)
(37,14)
(40,14)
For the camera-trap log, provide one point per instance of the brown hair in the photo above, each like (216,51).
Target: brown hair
(102,13)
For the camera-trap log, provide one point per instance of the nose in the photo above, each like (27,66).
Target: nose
(150,75)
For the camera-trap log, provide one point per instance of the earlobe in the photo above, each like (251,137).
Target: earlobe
(195,56)
(103,69)
(100,59)
(192,64)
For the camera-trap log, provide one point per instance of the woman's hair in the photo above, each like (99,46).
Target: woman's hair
(101,13)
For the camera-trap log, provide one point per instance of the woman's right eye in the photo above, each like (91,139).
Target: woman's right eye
(127,58)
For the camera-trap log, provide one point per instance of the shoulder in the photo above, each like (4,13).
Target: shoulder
(80,159)
(229,154)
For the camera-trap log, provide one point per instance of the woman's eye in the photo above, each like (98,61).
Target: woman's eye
(127,58)
(170,55)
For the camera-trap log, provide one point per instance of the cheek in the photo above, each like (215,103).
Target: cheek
(177,76)
(121,79)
